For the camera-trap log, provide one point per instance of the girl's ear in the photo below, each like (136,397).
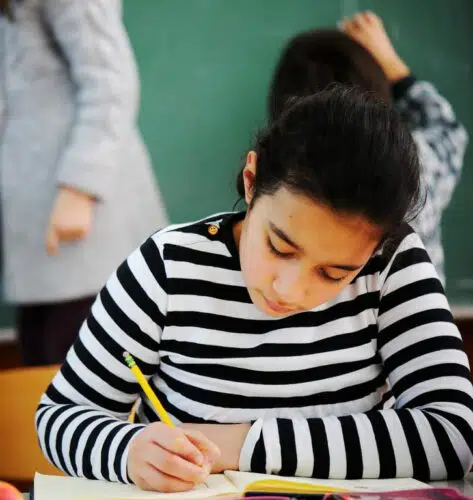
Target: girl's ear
(249,174)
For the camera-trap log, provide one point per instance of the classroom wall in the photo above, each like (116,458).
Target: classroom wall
(205,66)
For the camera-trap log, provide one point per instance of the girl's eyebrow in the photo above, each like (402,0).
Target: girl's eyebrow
(281,234)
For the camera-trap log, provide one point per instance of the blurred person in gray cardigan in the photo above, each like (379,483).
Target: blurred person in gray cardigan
(77,189)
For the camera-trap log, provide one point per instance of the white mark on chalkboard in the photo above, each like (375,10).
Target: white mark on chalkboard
(464,68)
(396,32)
(349,7)
(464,284)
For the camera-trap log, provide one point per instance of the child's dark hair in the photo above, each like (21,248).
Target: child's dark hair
(343,148)
(315,59)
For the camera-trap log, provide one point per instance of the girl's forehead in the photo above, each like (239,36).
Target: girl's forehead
(317,229)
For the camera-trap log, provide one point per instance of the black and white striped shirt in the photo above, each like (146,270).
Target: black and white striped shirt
(374,383)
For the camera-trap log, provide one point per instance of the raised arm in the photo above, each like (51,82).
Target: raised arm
(440,138)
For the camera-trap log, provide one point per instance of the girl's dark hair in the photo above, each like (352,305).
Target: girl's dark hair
(315,59)
(343,148)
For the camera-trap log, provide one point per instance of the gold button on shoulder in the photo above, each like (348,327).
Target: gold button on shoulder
(213,229)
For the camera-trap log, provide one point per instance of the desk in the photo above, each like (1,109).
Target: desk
(465,486)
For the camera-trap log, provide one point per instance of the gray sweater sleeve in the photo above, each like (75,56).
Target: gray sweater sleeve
(91,37)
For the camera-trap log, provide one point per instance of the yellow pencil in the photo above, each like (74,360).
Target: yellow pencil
(147,389)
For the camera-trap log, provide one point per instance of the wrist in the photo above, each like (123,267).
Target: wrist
(240,431)
(63,188)
(230,439)
(395,69)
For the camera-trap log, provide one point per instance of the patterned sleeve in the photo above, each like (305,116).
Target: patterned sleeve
(82,418)
(441,141)
(427,433)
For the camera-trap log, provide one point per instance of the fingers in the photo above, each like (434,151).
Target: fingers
(72,233)
(151,479)
(55,235)
(360,22)
(173,465)
(162,458)
(52,241)
(355,23)
(341,25)
(372,18)
(348,26)
(70,220)
(175,441)
(209,449)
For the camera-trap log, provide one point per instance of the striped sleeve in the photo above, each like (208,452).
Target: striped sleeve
(427,433)
(82,418)
(441,140)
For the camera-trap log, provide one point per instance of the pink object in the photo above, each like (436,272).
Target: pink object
(422,494)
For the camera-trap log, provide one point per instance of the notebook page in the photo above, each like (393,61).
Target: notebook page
(73,488)
(242,479)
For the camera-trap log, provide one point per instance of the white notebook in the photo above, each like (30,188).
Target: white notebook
(228,483)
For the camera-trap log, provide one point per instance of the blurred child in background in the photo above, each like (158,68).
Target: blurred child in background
(361,54)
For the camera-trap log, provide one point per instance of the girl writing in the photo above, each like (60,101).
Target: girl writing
(308,335)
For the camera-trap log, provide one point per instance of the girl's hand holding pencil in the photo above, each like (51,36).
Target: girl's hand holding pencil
(168,459)
(163,457)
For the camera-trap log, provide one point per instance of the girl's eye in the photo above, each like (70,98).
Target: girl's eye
(287,255)
(276,252)
(327,277)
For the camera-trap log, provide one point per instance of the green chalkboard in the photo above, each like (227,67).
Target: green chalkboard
(205,66)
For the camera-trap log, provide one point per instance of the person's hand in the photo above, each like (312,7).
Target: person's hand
(71,218)
(367,29)
(168,459)
(228,437)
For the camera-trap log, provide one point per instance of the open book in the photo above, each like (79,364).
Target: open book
(228,483)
